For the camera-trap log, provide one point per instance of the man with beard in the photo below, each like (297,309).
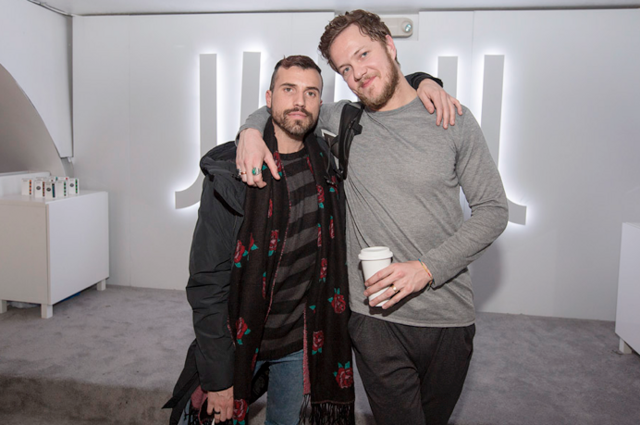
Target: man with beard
(402,192)
(280,298)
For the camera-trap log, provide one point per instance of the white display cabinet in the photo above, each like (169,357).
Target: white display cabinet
(628,309)
(51,249)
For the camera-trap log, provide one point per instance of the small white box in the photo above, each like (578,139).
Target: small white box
(73,186)
(63,182)
(38,188)
(27,187)
(54,189)
(49,189)
(61,188)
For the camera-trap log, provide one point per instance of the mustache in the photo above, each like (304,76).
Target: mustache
(303,110)
(368,76)
(364,80)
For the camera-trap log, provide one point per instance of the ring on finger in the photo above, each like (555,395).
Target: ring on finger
(255,171)
(394,289)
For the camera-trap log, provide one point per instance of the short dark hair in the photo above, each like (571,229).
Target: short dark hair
(301,61)
(369,24)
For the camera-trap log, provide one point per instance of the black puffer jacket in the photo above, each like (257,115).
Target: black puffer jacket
(209,360)
(212,248)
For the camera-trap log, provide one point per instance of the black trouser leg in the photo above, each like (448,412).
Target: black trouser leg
(443,379)
(411,374)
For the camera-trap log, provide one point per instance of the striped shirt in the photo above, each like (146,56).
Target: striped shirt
(283,332)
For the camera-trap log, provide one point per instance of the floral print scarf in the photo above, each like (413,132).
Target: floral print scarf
(328,370)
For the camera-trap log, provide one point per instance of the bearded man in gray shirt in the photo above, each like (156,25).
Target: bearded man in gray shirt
(402,191)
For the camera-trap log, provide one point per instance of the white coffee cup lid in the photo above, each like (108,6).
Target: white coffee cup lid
(375,253)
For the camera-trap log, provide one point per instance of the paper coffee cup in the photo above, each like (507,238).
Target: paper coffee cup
(374,259)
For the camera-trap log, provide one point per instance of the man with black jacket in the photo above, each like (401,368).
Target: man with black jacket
(268,279)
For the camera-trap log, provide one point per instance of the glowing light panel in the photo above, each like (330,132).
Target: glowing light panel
(491,120)
(208,125)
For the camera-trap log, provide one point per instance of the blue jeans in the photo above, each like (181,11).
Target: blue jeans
(286,389)
(285,394)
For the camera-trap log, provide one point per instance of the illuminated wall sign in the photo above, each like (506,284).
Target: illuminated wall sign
(491,110)
(491,115)
(447,70)
(208,125)
(209,113)
(250,84)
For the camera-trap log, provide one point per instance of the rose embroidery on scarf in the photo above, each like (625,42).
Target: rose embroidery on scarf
(240,408)
(252,245)
(264,285)
(241,330)
(323,270)
(337,301)
(334,184)
(344,375)
(319,235)
(320,196)
(318,342)
(240,251)
(273,243)
(276,159)
(331,231)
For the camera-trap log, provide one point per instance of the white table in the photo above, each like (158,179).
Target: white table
(628,309)
(52,249)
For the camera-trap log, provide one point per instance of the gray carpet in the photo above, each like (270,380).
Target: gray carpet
(113,357)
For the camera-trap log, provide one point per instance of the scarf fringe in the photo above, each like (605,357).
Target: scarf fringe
(326,413)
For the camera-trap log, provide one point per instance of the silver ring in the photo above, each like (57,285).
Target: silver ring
(255,171)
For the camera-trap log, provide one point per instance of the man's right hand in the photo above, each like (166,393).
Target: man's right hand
(436,99)
(252,152)
(220,403)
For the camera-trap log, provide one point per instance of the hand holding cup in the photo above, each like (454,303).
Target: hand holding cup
(374,259)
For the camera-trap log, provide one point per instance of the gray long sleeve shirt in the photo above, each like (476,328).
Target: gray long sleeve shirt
(405,175)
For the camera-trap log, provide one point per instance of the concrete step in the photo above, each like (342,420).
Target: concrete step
(104,357)
(40,420)
(80,402)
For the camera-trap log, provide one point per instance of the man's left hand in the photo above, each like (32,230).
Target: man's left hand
(407,278)
(436,99)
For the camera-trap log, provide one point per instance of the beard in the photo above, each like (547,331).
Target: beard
(378,102)
(294,128)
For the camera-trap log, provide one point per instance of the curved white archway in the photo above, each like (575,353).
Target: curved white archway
(25,141)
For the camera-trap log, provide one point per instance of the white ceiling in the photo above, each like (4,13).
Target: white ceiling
(110,7)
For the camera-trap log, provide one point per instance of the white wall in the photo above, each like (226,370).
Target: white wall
(569,140)
(35,48)
(137,123)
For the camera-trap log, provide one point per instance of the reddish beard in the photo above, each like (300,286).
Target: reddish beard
(376,103)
